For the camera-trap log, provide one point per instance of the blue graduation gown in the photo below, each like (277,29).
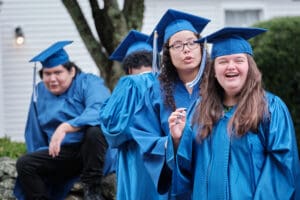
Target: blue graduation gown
(261,165)
(133,180)
(79,106)
(150,127)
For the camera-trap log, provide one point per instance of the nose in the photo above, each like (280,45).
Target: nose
(52,77)
(231,64)
(185,48)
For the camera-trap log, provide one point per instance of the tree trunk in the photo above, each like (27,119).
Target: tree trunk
(111,24)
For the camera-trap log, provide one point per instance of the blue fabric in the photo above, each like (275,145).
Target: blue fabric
(53,56)
(117,112)
(297,195)
(150,127)
(231,46)
(174,21)
(231,40)
(78,106)
(133,180)
(176,26)
(261,165)
(133,42)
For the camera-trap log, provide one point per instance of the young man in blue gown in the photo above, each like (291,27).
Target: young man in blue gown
(62,132)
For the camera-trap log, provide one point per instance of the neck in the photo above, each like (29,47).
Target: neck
(230,100)
(187,76)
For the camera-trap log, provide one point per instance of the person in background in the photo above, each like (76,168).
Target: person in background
(62,132)
(240,141)
(135,54)
(181,62)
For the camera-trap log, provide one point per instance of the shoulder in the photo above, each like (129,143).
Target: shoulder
(276,106)
(41,88)
(146,81)
(274,100)
(88,79)
(90,82)
(145,78)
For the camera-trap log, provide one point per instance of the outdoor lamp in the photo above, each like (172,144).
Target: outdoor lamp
(19,36)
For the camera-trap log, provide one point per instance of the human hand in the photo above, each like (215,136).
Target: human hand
(177,121)
(56,140)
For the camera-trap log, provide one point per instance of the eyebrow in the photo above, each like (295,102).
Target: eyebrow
(241,57)
(188,39)
(238,57)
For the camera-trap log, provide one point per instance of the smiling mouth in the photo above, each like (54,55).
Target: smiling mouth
(231,75)
(53,87)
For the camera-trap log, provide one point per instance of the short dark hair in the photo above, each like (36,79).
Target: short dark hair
(67,65)
(136,60)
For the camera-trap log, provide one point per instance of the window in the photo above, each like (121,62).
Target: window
(242,17)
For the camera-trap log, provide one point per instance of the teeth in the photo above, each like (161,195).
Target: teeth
(231,75)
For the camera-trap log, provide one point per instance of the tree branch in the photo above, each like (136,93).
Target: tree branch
(111,25)
(134,13)
(92,45)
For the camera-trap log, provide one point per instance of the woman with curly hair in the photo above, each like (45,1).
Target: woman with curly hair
(177,86)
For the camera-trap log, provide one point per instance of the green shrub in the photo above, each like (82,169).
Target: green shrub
(11,149)
(277,53)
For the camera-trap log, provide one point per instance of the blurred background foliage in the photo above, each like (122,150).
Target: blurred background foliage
(11,149)
(277,54)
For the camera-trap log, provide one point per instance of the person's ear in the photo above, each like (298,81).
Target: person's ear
(73,71)
(129,71)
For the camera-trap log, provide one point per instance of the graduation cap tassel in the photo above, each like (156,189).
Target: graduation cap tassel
(34,83)
(201,69)
(154,59)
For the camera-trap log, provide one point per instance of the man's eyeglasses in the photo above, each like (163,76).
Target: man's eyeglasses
(179,46)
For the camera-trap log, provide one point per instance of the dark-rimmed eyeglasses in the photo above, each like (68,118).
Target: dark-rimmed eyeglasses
(179,46)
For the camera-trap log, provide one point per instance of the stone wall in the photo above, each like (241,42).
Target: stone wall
(8,176)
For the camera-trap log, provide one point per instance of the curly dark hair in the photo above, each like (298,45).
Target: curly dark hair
(136,60)
(169,76)
(68,66)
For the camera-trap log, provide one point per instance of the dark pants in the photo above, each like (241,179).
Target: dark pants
(85,159)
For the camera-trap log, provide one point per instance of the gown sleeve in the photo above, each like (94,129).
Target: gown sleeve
(117,112)
(180,162)
(278,174)
(94,93)
(147,131)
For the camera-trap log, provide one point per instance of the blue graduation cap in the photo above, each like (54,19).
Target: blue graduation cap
(53,55)
(133,42)
(231,40)
(174,21)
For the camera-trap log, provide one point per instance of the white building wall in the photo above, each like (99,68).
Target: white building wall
(214,10)
(43,23)
(1,89)
(154,10)
(47,21)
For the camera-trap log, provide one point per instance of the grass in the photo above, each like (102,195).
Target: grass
(11,149)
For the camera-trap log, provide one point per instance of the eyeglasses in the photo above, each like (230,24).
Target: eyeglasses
(179,46)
